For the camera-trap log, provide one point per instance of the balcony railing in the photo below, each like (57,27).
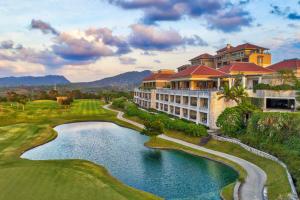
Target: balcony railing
(202,93)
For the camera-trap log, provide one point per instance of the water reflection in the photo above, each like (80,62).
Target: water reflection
(169,174)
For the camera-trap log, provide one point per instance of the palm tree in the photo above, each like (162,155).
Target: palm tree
(226,93)
(239,93)
(235,93)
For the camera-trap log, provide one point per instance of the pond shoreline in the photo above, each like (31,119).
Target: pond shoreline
(97,163)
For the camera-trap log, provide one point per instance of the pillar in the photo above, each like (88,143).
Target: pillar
(244,80)
(219,84)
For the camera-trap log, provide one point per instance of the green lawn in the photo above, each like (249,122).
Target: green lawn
(56,179)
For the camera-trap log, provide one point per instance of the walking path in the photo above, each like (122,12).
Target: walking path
(251,189)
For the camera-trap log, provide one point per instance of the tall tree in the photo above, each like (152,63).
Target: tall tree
(22,99)
(11,97)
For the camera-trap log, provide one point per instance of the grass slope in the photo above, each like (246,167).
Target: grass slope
(55,179)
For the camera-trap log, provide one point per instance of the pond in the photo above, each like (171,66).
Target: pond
(165,173)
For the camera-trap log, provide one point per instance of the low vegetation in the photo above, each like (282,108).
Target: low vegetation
(275,133)
(168,123)
(56,179)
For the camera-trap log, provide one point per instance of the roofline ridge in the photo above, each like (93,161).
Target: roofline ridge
(195,69)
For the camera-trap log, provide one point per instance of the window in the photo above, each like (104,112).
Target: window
(259,59)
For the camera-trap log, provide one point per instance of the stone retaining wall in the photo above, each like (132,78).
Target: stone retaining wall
(294,195)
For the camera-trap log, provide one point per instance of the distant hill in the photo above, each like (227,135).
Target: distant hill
(33,81)
(125,80)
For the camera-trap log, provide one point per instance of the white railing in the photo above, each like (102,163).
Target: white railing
(201,93)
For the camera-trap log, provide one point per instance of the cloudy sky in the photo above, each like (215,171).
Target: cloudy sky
(87,40)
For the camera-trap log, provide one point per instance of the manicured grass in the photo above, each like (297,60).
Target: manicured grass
(55,179)
(227,192)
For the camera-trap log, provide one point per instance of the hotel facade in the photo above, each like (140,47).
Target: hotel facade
(192,92)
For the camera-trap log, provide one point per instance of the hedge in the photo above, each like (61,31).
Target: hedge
(188,128)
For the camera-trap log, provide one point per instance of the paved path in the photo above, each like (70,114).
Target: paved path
(251,189)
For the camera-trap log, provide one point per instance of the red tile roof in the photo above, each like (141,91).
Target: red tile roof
(241,47)
(199,70)
(203,56)
(244,67)
(159,76)
(291,64)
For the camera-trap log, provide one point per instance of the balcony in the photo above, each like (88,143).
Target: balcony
(196,93)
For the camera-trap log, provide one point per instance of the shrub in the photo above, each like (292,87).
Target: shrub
(153,128)
(274,126)
(231,121)
(119,102)
(278,134)
(263,86)
(186,127)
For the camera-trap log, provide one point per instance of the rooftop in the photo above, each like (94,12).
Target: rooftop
(230,49)
(200,71)
(245,67)
(290,64)
(202,56)
(163,74)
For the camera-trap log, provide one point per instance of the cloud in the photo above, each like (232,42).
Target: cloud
(127,61)
(20,68)
(230,21)
(212,11)
(294,16)
(195,40)
(285,12)
(244,2)
(148,53)
(151,38)
(7,44)
(46,28)
(289,48)
(79,49)
(108,38)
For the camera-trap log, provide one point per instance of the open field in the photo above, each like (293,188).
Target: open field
(55,179)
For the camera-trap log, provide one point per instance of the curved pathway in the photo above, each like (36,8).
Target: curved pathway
(251,189)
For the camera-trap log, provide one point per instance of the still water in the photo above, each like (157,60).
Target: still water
(172,175)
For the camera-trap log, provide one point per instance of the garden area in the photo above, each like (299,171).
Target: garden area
(156,123)
(277,133)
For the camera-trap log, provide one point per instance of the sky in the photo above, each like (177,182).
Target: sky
(87,40)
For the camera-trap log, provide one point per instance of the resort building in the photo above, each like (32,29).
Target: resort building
(241,53)
(193,92)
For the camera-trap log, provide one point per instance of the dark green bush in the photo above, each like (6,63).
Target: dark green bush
(278,134)
(186,127)
(153,127)
(231,121)
(263,86)
(119,102)
(276,127)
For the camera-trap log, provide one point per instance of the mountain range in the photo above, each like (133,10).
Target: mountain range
(33,81)
(128,80)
